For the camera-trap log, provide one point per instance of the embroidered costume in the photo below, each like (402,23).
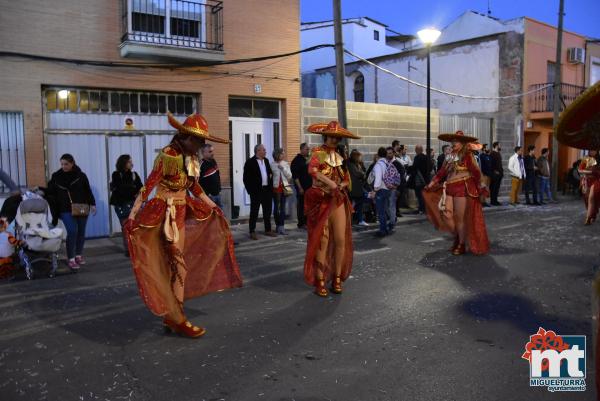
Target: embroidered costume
(180,247)
(459,177)
(590,187)
(328,212)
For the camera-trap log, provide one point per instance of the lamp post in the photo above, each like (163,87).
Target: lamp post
(428,37)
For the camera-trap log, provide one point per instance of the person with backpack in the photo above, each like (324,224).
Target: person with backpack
(382,192)
(125,185)
(392,180)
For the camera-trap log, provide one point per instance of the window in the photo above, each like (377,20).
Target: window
(359,88)
(94,101)
(253,108)
(12,143)
(376,35)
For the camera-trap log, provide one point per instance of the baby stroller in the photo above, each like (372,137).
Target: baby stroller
(33,222)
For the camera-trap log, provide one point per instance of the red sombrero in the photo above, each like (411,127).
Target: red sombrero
(457,136)
(579,123)
(195,125)
(332,129)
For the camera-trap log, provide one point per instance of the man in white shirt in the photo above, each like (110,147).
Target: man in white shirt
(258,180)
(516,169)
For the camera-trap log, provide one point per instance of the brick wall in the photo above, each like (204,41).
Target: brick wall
(90,29)
(377,124)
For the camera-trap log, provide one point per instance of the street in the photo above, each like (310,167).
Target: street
(414,322)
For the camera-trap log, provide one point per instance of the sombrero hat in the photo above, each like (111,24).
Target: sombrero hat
(457,136)
(332,129)
(579,123)
(195,125)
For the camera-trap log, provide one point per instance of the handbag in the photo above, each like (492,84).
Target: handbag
(287,190)
(78,209)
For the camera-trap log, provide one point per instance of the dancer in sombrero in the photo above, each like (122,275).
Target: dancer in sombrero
(452,198)
(179,241)
(589,169)
(329,213)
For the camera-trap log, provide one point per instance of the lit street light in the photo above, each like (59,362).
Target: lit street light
(428,37)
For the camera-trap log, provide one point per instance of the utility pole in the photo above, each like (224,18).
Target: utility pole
(339,63)
(557,95)
(428,140)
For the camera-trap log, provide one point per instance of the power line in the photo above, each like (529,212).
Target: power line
(99,63)
(443,92)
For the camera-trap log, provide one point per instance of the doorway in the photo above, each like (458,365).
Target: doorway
(246,133)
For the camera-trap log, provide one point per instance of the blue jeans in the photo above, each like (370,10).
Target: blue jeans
(75,233)
(392,209)
(544,183)
(358,208)
(279,208)
(382,202)
(217,200)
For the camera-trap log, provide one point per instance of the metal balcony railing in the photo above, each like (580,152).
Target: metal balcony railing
(196,24)
(543,100)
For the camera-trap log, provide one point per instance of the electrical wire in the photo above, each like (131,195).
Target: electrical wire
(443,92)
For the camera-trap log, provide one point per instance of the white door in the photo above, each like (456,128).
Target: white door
(246,133)
(89,151)
(130,145)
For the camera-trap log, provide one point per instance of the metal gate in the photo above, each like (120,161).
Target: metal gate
(472,126)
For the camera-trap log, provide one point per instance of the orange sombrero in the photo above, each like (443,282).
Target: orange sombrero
(579,123)
(333,128)
(195,125)
(457,136)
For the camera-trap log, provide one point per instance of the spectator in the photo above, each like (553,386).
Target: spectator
(497,173)
(382,193)
(406,162)
(282,188)
(432,162)
(392,180)
(446,150)
(530,176)
(402,186)
(258,180)
(544,177)
(302,181)
(516,169)
(125,185)
(421,176)
(70,188)
(210,179)
(369,208)
(358,176)
(485,162)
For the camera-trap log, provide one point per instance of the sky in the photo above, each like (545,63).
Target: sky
(407,17)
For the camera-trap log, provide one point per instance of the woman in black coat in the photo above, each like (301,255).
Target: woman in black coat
(125,186)
(70,186)
(358,178)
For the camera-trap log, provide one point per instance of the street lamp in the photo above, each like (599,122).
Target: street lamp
(428,37)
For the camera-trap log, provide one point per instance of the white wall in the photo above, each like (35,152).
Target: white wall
(469,69)
(358,38)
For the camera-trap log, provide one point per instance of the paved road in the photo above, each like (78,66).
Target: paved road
(415,323)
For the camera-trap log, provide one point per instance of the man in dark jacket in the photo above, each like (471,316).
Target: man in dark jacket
(485,163)
(419,166)
(446,149)
(530,176)
(302,181)
(258,180)
(210,179)
(497,173)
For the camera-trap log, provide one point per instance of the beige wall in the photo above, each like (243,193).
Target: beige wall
(91,29)
(377,124)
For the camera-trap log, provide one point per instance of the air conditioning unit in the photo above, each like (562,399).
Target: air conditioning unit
(576,55)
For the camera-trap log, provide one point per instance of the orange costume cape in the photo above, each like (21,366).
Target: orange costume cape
(179,241)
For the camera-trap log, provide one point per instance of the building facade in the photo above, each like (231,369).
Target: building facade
(117,103)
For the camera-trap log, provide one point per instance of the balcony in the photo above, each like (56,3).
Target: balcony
(173,30)
(542,102)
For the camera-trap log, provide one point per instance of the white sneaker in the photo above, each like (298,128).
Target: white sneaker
(363,223)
